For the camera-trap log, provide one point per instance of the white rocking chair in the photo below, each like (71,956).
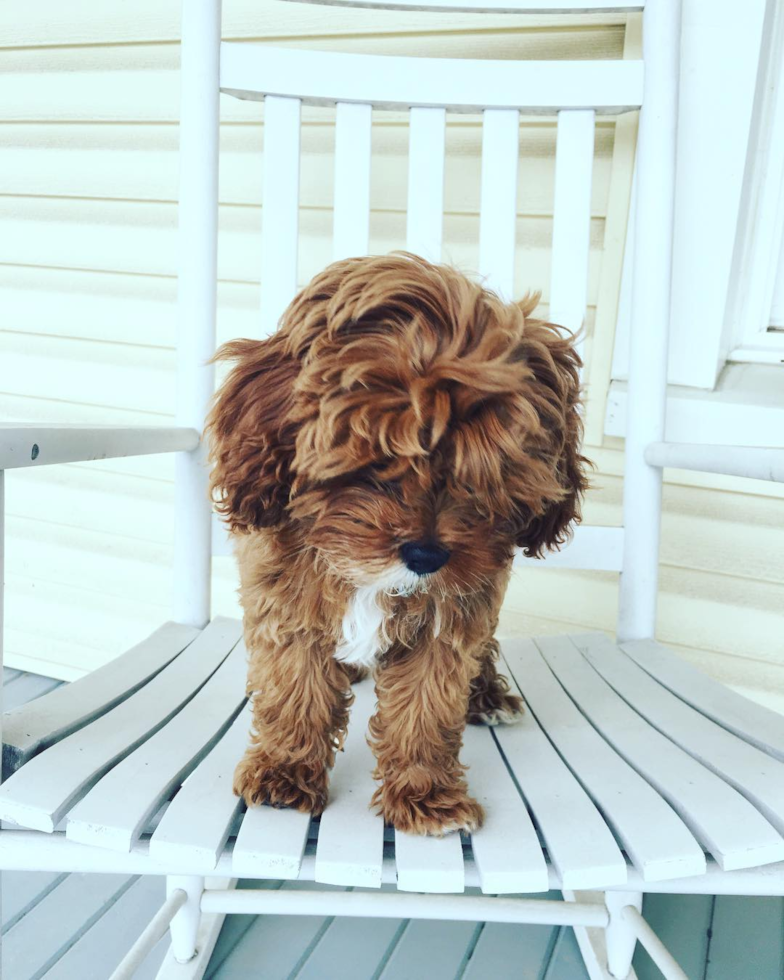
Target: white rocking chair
(630,773)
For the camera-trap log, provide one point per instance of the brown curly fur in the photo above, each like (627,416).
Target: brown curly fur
(398,402)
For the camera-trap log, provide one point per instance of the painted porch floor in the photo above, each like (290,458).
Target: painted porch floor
(77,927)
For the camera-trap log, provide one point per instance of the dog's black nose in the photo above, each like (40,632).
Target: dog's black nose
(423,557)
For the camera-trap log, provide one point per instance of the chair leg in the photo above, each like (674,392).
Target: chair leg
(621,937)
(185,924)
(209,928)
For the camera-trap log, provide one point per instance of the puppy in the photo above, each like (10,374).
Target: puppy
(378,460)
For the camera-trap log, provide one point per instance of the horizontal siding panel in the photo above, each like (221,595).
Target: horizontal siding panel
(141,239)
(140,163)
(68,370)
(696,609)
(85,22)
(90,500)
(125,309)
(505,44)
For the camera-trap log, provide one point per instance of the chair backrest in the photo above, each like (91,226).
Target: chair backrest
(429,89)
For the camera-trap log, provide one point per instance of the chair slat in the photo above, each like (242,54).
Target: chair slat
(351,232)
(498,202)
(759,777)
(280,208)
(199,820)
(752,722)
(724,821)
(32,727)
(115,811)
(350,847)
(579,843)
(248,71)
(429,864)
(40,793)
(426,152)
(506,848)
(572,217)
(270,843)
(654,837)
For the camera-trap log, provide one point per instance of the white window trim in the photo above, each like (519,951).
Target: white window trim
(718,107)
(759,246)
(746,409)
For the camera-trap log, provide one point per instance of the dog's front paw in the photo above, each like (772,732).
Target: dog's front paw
(495,708)
(441,811)
(303,787)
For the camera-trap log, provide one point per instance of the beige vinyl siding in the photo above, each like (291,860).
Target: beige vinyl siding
(88,140)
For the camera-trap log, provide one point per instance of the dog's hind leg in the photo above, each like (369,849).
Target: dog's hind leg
(490,702)
(300,715)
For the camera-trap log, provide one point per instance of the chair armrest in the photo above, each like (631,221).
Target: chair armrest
(749,461)
(40,445)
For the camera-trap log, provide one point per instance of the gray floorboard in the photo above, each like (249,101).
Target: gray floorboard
(760,953)
(683,923)
(566,962)
(429,950)
(509,952)
(35,943)
(25,688)
(21,890)
(369,942)
(100,949)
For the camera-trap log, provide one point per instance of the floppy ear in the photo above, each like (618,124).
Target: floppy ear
(251,437)
(555,364)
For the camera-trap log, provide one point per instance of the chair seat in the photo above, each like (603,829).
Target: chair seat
(625,757)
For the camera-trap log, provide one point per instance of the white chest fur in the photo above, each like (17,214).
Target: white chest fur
(364,632)
(363,628)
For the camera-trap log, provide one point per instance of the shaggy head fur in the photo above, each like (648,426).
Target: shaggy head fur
(399,405)
(400,402)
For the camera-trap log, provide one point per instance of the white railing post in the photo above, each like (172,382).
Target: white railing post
(650,318)
(196,300)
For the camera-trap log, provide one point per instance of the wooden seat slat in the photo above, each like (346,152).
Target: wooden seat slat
(604,757)
(199,819)
(723,820)
(752,722)
(270,843)
(758,776)
(32,727)
(654,837)
(506,848)
(579,843)
(117,808)
(41,792)
(429,864)
(350,849)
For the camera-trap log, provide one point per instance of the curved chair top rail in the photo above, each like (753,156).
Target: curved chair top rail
(490,7)
(253,71)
